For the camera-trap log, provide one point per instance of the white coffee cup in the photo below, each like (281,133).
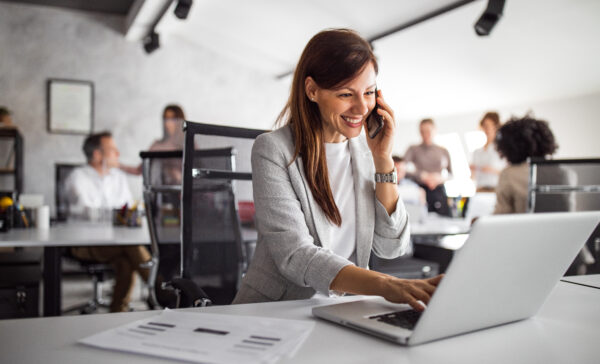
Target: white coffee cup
(43,217)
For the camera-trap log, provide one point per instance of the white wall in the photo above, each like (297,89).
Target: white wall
(575,122)
(131,87)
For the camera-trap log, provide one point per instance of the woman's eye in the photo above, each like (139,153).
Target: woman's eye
(369,93)
(345,95)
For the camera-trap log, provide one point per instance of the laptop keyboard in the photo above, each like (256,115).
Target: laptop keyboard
(406,319)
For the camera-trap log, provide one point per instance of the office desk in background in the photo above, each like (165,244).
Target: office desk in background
(435,224)
(437,238)
(564,331)
(68,234)
(78,233)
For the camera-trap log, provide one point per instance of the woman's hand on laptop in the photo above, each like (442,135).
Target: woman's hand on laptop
(410,291)
(355,280)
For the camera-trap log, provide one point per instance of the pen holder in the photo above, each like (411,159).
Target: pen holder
(169,216)
(131,218)
(22,217)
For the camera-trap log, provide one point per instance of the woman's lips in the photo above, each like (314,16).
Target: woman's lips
(352,122)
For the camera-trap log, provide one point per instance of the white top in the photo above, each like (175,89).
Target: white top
(487,157)
(342,239)
(88,190)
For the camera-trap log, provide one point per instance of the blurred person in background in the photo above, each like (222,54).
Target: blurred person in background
(518,140)
(7,146)
(487,163)
(429,165)
(6,118)
(173,139)
(93,190)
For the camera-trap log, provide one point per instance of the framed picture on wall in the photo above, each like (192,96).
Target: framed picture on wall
(70,106)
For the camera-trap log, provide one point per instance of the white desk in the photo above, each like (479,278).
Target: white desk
(72,233)
(437,238)
(564,331)
(435,224)
(75,233)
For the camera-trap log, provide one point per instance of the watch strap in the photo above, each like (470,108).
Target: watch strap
(386,177)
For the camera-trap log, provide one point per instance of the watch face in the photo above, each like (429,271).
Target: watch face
(386,177)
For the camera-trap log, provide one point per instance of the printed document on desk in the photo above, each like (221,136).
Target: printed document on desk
(207,338)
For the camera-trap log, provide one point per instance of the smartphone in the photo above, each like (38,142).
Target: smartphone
(374,121)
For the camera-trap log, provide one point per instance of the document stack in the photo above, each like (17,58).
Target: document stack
(207,338)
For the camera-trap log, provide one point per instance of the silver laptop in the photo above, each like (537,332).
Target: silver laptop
(504,273)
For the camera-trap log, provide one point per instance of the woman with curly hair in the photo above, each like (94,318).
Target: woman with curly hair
(518,140)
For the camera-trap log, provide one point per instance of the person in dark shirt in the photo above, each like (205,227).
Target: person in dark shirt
(429,165)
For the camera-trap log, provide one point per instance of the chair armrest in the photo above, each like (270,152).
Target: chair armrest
(220,174)
(189,294)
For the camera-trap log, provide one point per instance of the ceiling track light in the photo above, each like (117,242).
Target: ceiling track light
(151,42)
(489,18)
(182,9)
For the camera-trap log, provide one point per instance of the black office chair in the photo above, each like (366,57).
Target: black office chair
(214,254)
(568,185)
(161,174)
(61,173)
(162,171)
(97,271)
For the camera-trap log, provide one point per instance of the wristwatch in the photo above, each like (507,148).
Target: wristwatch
(386,177)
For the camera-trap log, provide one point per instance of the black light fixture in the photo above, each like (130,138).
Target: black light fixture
(151,42)
(490,17)
(183,8)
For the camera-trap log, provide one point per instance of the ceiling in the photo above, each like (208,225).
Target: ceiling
(118,7)
(269,34)
(540,49)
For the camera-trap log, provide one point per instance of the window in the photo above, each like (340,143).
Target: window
(474,140)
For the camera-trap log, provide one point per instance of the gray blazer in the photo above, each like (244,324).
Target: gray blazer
(292,258)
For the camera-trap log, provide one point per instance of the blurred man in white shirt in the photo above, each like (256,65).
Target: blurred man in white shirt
(99,185)
(96,189)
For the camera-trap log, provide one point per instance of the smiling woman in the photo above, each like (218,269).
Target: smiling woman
(325,194)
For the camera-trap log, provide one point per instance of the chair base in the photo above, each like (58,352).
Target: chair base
(87,308)
(93,304)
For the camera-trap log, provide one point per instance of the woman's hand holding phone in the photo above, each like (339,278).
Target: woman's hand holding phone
(382,144)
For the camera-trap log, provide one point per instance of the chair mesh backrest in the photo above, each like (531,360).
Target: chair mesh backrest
(212,251)
(241,160)
(62,172)
(566,185)
(162,184)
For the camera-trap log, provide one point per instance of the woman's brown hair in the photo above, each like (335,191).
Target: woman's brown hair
(176,109)
(332,57)
(493,116)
